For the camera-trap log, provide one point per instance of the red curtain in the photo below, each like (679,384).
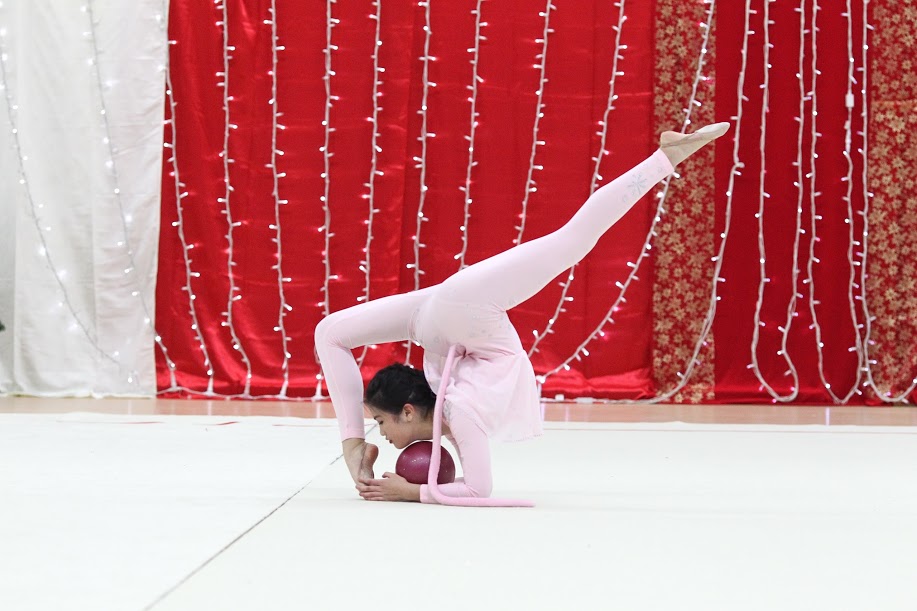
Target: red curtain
(217,336)
(735,318)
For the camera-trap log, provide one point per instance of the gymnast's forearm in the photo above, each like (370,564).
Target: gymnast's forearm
(343,379)
(456,489)
(473,448)
(345,385)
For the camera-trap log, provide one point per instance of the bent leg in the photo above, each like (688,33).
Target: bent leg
(376,322)
(509,278)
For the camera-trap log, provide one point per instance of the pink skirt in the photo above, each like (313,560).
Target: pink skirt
(492,378)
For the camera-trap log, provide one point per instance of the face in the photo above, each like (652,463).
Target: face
(401,430)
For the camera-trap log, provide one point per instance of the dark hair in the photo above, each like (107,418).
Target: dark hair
(396,385)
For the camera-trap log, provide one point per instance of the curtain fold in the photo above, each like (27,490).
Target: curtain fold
(314,160)
(232,319)
(82,144)
(519,111)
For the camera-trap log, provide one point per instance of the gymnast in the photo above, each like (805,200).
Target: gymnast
(492,392)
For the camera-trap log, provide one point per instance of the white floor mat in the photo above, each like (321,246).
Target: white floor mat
(109,512)
(104,512)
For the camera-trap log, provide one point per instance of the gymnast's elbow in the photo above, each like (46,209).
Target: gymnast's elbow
(479,490)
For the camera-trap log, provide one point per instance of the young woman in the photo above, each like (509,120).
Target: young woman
(492,393)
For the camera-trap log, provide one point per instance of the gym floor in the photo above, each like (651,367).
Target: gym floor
(189,505)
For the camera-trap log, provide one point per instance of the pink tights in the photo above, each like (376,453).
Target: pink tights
(500,282)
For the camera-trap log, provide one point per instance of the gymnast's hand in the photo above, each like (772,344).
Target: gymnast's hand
(360,458)
(391,487)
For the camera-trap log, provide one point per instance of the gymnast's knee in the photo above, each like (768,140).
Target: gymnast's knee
(327,331)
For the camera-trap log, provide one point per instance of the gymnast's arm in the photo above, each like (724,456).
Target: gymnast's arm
(473,448)
(380,321)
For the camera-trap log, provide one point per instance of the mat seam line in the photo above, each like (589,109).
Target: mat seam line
(197,570)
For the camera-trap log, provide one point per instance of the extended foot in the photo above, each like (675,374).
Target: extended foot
(370,454)
(360,458)
(678,147)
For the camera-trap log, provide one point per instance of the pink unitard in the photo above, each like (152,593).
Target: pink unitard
(492,393)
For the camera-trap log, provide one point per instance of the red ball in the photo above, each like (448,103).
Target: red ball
(414,464)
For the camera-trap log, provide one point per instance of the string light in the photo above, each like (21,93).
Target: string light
(59,274)
(799,183)
(741,98)
(530,185)
(111,164)
(863,367)
(475,79)
(736,171)
(278,202)
(179,224)
(848,99)
(608,319)
(737,166)
(421,161)
(693,102)
(813,194)
(849,103)
(44,250)
(330,23)
(707,324)
(596,177)
(233,294)
(762,257)
(327,154)
(374,171)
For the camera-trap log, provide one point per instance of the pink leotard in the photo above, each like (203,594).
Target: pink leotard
(492,393)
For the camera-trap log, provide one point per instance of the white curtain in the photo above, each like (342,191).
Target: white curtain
(80,164)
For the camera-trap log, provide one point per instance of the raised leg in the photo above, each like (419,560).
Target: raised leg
(509,278)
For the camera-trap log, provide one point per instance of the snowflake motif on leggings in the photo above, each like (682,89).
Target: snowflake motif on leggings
(638,184)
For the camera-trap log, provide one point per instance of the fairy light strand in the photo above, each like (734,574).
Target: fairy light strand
(596,177)
(812,176)
(867,195)
(421,161)
(792,305)
(813,195)
(849,103)
(599,330)
(418,272)
(112,166)
(179,225)
(741,98)
(864,155)
(763,195)
(233,295)
(799,183)
(707,325)
(12,107)
(816,326)
(374,171)
(325,229)
(735,170)
(530,184)
(475,79)
(330,23)
(284,307)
